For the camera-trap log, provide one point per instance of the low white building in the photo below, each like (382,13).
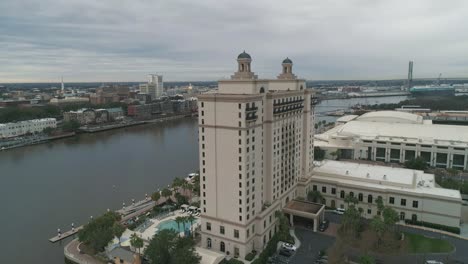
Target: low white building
(9,130)
(392,136)
(413,194)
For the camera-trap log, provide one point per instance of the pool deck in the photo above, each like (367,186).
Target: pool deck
(148,234)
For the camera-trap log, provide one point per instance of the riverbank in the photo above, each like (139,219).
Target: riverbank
(34,140)
(40,139)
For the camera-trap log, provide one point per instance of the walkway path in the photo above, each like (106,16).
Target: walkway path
(72,253)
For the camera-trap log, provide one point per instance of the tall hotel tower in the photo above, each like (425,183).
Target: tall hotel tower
(256,144)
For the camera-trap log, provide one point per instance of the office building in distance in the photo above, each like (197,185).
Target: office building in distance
(154,87)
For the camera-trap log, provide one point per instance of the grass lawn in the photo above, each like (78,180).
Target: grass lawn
(422,244)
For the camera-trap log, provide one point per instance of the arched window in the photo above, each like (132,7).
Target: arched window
(208,242)
(351,194)
(302,87)
(222,246)
(262,90)
(369,198)
(360,197)
(242,67)
(342,194)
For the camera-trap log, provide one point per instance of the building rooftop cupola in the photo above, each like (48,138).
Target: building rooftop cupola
(287,61)
(244,71)
(287,70)
(244,55)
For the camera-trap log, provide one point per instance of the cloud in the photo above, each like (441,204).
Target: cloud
(123,40)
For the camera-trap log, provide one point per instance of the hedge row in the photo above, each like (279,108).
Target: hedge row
(450,229)
(268,251)
(250,256)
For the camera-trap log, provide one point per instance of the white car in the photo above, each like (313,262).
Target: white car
(433,262)
(288,246)
(339,211)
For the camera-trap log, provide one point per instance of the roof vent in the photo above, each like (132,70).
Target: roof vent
(368,175)
(384,177)
(347,172)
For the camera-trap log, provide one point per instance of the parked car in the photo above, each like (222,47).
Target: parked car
(339,211)
(433,262)
(324,225)
(286,252)
(288,246)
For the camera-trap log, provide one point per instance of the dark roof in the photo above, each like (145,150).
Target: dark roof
(287,60)
(244,55)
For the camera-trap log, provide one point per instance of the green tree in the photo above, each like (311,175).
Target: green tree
(70,126)
(390,217)
(366,259)
(319,154)
(180,199)
(283,223)
(416,164)
(179,220)
(379,228)
(118,230)
(99,232)
(314,196)
(136,242)
(156,196)
(166,193)
(351,221)
(184,252)
(196,185)
(177,183)
(166,247)
(48,130)
(191,219)
(351,200)
(380,204)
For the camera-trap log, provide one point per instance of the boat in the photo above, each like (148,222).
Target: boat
(191,176)
(442,89)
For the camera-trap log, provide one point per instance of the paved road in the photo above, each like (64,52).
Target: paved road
(314,242)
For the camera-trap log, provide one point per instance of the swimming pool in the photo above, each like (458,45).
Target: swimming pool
(172,224)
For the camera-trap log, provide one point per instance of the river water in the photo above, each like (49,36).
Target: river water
(50,186)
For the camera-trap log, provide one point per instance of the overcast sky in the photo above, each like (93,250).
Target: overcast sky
(124,40)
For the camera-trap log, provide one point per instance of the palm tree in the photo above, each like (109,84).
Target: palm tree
(314,196)
(118,230)
(177,183)
(191,219)
(184,221)
(166,193)
(136,242)
(179,220)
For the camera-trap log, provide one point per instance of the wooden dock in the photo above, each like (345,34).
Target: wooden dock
(65,235)
(133,210)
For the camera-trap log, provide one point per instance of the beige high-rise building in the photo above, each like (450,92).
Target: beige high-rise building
(256,143)
(154,87)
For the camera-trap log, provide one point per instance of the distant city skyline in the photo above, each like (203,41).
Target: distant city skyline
(104,41)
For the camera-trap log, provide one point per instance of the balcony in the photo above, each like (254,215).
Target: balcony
(251,117)
(251,109)
(314,101)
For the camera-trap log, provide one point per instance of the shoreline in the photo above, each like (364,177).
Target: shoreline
(94,130)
